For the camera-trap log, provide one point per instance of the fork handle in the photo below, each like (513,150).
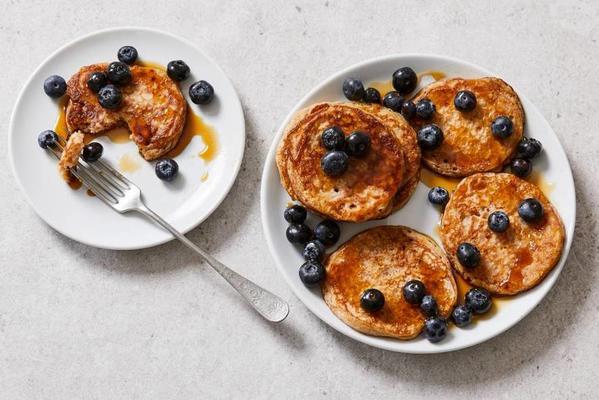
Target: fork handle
(267,304)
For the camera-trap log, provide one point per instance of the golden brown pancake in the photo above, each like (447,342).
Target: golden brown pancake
(70,155)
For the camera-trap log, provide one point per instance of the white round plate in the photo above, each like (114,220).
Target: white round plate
(418,213)
(185,202)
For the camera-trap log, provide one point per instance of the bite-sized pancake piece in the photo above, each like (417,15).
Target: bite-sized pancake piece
(366,190)
(70,155)
(385,258)
(153,109)
(469,145)
(512,261)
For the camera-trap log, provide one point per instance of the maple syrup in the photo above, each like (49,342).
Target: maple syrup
(151,64)
(195,126)
(431,179)
(436,75)
(128,163)
(385,87)
(538,179)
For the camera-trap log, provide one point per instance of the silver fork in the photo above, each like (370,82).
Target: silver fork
(123,196)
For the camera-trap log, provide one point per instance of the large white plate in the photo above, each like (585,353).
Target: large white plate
(197,191)
(417,214)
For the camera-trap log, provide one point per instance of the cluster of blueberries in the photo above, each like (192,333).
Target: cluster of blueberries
(336,160)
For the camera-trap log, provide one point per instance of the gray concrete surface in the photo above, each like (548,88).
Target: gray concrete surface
(78,322)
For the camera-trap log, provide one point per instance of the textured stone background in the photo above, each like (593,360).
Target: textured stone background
(78,322)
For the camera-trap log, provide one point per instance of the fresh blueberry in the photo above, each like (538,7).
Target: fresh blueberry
(298,233)
(55,86)
(327,232)
(435,329)
(96,81)
(127,54)
(47,139)
(371,95)
(372,300)
(408,110)
(465,100)
(314,251)
(429,306)
(529,148)
(311,273)
(462,316)
(393,100)
(530,210)
(177,70)
(405,80)
(498,221)
(521,167)
(502,127)
(430,137)
(295,214)
(110,97)
(425,109)
(438,195)
(334,163)
(478,300)
(92,152)
(333,138)
(413,291)
(166,169)
(353,89)
(201,92)
(358,144)
(118,73)
(468,255)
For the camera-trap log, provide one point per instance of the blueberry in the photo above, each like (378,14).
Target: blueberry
(413,291)
(110,97)
(298,233)
(393,100)
(358,144)
(478,300)
(430,137)
(177,70)
(438,195)
(314,251)
(530,210)
(521,167)
(425,109)
(311,273)
(498,221)
(371,95)
(127,54)
(435,329)
(92,152)
(408,110)
(334,163)
(464,100)
(468,255)
(405,80)
(462,316)
(502,127)
(166,169)
(118,73)
(327,232)
(47,139)
(295,214)
(372,300)
(333,138)
(429,306)
(353,89)
(201,92)
(96,81)
(529,148)
(55,86)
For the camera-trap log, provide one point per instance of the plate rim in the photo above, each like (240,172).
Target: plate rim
(352,333)
(127,28)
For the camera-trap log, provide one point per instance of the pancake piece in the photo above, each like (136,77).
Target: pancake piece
(366,190)
(153,109)
(70,155)
(469,145)
(385,258)
(515,260)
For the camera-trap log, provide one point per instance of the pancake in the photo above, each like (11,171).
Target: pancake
(70,155)
(469,145)
(385,258)
(515,260)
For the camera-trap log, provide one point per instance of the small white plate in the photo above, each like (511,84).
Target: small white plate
(185,202)
(418,213)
